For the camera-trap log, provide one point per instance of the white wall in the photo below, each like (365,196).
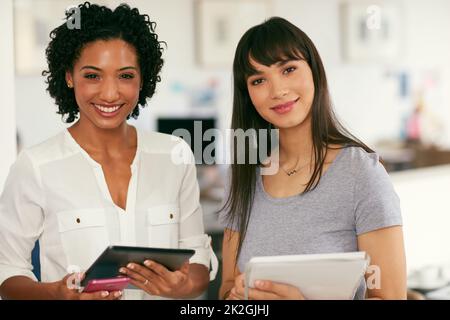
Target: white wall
(7,106)
(364,96)
(426,215)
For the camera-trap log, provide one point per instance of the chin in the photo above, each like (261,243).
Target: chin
(288,124)
(107,124)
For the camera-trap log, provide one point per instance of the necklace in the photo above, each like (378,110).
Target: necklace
(294,169)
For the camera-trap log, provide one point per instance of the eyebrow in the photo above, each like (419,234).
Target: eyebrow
(98,69)
(278,64)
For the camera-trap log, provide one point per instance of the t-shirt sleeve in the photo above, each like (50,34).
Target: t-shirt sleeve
(377,205)
(224,214)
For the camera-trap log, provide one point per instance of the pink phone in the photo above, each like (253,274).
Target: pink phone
(110,284)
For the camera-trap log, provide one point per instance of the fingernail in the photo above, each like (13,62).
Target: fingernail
(105,293)
(118,294)
(130,266)
(123,270)
(147,263)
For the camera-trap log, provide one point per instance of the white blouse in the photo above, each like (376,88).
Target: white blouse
(57,194)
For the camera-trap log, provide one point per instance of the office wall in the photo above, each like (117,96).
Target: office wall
(7,106)
(365,95)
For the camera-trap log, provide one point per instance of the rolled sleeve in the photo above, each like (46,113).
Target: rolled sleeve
(21,219)
(204,253)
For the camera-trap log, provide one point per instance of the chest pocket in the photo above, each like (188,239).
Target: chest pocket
(163,226)
(83,235)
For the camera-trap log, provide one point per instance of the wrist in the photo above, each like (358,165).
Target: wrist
(188,290)
(52,290)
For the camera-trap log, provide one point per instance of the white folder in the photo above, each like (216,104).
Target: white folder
(318,276)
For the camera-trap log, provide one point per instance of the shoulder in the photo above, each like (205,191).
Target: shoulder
(367,172)
(362,162)
(156,142)
(56,147)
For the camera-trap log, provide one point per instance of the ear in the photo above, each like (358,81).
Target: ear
(69,79)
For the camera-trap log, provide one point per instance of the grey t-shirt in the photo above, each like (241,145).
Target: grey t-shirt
(354,196)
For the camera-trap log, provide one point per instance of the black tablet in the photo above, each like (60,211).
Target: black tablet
(113,258)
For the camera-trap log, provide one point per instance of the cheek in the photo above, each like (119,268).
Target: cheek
(258,98)
(130,91)
(85,91)
(307,87)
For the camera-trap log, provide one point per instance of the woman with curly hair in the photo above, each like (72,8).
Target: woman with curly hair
(102,181)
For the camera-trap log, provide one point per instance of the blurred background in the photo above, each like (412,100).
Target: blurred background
(388,68)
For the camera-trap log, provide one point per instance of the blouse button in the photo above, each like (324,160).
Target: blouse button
(78,220)
(171,216)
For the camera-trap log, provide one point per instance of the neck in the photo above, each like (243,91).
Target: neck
(95,139)
(296,144)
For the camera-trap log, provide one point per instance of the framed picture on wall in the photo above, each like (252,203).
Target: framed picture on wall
(219,24)
(33,22)
(371,31)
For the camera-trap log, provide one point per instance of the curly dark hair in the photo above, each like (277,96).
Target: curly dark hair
(102,23)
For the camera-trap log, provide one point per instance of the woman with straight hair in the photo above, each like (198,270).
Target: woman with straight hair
(331,193)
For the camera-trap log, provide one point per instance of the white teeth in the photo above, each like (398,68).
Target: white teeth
(105,109)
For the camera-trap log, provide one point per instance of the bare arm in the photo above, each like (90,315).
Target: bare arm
(386,250)
(24,288)
(199,277)
(229,268)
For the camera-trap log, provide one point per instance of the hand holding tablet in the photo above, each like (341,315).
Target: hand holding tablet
(105,270)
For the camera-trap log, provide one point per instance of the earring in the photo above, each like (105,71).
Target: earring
(69,85)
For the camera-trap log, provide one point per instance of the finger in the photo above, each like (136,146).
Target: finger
(152,278)
(172,279)
(99,295)
(156,268)
(240,294)
(116,295)
(280,289)
(232,296)
(177,278)
(149,287)
(142,270)
(239,289)
(133,275)
(255,294)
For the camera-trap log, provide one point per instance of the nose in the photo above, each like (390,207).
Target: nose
(278,89)
(109,91)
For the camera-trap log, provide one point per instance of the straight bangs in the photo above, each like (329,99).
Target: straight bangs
(268,46)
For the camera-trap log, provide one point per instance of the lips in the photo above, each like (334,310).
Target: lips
(284,107)
(107,110)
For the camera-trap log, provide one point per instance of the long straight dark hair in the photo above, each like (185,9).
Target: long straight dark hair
(273,41)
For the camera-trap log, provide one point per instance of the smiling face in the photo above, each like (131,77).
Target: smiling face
(106,79)
(282,93)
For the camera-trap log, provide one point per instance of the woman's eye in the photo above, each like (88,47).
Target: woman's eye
(91,76)
(257,81)
(289,70)
(127,76)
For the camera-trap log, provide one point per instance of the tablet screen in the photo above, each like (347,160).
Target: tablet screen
(113,258)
